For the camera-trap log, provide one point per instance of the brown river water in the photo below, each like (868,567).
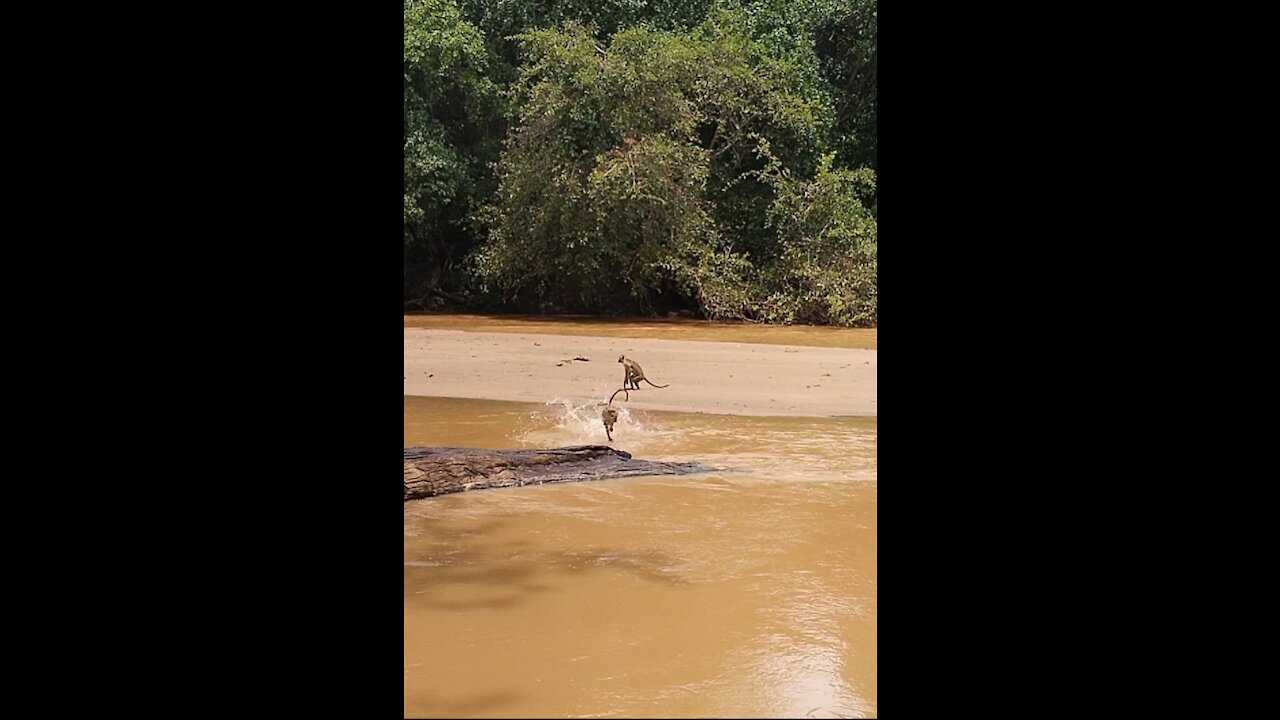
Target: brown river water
(747,592)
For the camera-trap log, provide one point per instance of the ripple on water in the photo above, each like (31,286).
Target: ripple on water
(749,592)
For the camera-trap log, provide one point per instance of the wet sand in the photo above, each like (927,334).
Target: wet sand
(652,329)
(730,378)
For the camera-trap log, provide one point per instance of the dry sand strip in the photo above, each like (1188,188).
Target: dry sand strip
(651,329)
(726,378)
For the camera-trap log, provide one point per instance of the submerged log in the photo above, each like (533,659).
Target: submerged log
(430,471)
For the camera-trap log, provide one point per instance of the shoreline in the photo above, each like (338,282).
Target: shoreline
(652,329)
(705,376)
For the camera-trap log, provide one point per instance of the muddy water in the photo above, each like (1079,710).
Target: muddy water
(749,592)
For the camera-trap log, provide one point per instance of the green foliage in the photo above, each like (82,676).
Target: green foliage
(503,20)
(623,160)
(827,272)
(845,42)
(449,106)
(834,41)
(636,156)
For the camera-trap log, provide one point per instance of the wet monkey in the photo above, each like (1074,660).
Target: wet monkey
(609,416)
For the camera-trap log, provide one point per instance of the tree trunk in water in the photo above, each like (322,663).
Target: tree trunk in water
(430,471)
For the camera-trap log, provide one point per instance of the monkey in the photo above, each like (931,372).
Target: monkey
(632,374)
(609,416)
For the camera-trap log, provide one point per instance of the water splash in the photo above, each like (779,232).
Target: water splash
(570,422)
(768,447)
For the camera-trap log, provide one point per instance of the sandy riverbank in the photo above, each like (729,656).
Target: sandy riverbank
(732,378)
(651,329)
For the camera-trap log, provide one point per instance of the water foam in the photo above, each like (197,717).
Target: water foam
(570,422)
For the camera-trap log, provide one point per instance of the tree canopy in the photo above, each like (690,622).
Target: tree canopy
(642,157)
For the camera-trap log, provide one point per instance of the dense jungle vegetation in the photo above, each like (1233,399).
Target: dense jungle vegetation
(707,157)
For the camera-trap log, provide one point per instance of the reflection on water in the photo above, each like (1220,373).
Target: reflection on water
(746,593)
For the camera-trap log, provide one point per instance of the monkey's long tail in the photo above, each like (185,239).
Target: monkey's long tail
(615,394)
(657,386)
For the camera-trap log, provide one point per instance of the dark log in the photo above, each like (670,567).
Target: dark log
(430,471)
